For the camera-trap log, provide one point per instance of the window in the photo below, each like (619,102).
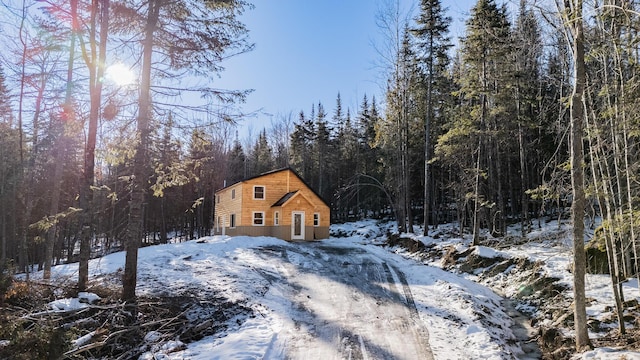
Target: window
(258,192)
(258,218)
(218,199)
(316,219)
(276,218)
(232,221)
(233,193)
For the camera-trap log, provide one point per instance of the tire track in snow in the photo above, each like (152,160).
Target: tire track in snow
(395,277)
(345,303)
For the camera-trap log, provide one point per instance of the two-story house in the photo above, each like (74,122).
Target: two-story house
(278,203)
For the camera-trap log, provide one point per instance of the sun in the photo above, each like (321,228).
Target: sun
(120,74)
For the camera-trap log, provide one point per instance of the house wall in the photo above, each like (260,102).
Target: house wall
(225,206)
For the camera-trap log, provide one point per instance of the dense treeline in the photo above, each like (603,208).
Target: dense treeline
(92,163)
(478,133)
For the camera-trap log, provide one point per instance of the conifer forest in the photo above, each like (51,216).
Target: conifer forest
(534,112)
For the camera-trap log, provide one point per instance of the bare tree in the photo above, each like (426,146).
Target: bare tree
(573,17)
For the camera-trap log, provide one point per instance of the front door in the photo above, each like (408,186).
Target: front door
(297,225)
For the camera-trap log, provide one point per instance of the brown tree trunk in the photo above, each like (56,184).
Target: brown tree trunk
(95,61)
(59,153)
(134,227)
(575,23)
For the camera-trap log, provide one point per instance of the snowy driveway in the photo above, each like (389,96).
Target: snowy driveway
(342,298)
(346,304)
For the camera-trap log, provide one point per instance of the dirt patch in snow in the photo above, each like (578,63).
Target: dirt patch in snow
(109,328)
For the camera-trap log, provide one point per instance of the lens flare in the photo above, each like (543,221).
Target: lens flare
(120,74)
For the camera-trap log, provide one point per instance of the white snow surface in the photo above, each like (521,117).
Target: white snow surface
(344,297)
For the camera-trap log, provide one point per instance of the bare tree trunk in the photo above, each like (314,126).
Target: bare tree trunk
(627,167)
(476,200)
(427,142)
(59,153)
(23,197)
(604,199)
(407,172)
(134,228)
(575,24)
(95,60)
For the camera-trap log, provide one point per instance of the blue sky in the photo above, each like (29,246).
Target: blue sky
(306,51)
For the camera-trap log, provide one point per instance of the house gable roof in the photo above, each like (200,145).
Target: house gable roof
(277,171)
(284,199)
(293,195)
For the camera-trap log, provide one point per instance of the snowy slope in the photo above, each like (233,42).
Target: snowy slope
(454,312)
(300,308)
(550,246)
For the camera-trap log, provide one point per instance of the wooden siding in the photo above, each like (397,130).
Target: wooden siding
(227,206)
(276,185)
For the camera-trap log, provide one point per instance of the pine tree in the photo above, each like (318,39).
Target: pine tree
(169,173)
(236,163)
(6,112)
(9,165)
(347,159)
(432,30)
(261,155)
(10,168)
(321,150)
(528,54)
(485,84)
(394,133)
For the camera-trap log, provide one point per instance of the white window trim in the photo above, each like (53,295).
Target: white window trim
(314,219)
(233,194)
(264,192)
(253,218)
(232,224)
(276,218)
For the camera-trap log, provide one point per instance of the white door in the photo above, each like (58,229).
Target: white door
(297,225)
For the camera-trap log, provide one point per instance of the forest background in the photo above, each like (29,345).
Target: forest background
(483,133)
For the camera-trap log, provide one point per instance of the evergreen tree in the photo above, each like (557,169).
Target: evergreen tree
(485,84)
(6,112)
(528,56)
(347,160)
(395,132)
(432,30)
(236,163)
(302,139)
(322,149)
(9,177)
(280,135)
(170,172)
(261,156)
(202,167)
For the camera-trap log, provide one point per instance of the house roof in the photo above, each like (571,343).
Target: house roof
(277,171)
(284,199)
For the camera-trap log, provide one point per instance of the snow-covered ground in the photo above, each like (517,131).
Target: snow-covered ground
(345,297)
(549,244)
